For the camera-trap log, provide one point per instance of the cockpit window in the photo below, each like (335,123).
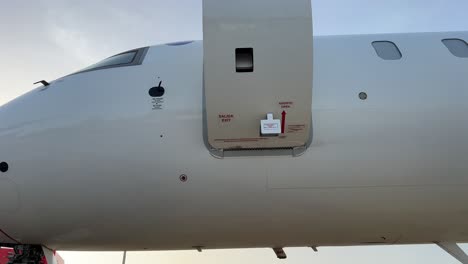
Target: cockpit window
(120,59)
(128,58)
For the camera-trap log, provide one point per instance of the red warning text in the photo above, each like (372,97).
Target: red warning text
(286,105)
(225,118)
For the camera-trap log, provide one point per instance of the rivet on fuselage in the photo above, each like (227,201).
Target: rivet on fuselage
(183,178)
(363,96)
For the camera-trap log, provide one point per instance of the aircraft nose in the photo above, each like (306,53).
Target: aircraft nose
(14,120)
(9,195)
(5,149)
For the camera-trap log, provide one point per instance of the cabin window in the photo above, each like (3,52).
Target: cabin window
(387,50)
(457,47)
(128,58)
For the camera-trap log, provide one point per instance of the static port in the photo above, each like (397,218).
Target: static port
(157,91)
(363,96)
(183,178)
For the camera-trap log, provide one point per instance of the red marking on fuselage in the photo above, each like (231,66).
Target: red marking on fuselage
(232,140)
(283,121)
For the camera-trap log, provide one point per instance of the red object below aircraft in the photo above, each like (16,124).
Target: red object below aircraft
(6,252)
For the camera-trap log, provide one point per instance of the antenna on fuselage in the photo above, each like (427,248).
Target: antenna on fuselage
(43,83)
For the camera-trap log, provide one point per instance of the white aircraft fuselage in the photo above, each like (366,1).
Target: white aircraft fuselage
(96,163)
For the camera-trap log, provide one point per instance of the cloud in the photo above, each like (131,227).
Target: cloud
(381,16)
(94,30)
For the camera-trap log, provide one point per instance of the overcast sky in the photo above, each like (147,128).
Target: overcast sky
(47,39)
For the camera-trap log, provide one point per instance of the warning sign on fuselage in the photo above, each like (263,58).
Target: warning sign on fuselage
(157,103)
(286,105)
(225,119)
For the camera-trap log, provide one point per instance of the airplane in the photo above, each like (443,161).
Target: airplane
(260,136)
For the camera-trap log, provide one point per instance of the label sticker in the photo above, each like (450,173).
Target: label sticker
(272,126)
(157,103)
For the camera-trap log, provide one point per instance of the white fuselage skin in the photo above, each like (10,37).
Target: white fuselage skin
(93,167)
